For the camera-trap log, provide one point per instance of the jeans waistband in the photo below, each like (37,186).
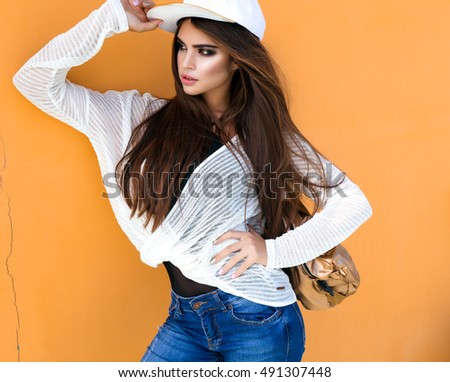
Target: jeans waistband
(214,300)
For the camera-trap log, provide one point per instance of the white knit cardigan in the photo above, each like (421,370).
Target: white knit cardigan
(199,216)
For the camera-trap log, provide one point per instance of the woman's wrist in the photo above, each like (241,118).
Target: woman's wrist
(121,17)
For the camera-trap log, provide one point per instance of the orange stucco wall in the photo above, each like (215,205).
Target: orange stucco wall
(370,86)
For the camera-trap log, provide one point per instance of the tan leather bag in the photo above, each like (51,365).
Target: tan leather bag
(326,280)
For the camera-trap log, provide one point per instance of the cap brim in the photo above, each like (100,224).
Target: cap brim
(172,13)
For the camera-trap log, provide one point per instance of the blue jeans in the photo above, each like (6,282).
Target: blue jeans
(219,326)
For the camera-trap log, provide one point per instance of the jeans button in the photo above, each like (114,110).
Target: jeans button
(197,305)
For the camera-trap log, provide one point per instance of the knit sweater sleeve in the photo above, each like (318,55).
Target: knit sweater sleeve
(104,117)
(345,209)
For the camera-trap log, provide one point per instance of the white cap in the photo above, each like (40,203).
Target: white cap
(247,13)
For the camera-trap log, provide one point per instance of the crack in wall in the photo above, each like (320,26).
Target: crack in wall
(8,271)
(13,283)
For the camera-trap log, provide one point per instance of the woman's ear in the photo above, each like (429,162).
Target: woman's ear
(234,65)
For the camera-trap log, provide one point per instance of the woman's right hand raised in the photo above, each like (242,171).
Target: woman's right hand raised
(136,11)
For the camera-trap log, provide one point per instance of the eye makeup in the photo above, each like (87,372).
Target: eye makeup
(204,49)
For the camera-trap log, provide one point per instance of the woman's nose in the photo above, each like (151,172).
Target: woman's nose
(188,61)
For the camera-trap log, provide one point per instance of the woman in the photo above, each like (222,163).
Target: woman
(210,180)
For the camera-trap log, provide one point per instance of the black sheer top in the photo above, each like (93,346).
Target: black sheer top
(180,284)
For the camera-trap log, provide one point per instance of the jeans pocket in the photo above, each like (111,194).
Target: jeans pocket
(251,313)
(172,306)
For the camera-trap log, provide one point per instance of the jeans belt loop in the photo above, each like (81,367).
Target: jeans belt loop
(178,311)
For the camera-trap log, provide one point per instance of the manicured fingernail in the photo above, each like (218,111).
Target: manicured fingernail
(135,3)
(233,276)
(220,273)
(213,260)
(215,241)
(161,23)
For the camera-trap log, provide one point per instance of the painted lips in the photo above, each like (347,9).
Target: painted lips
(187,80)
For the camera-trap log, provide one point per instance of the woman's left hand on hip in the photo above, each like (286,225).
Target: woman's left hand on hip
(251,248)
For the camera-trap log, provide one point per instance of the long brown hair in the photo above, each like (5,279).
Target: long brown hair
(180,133)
